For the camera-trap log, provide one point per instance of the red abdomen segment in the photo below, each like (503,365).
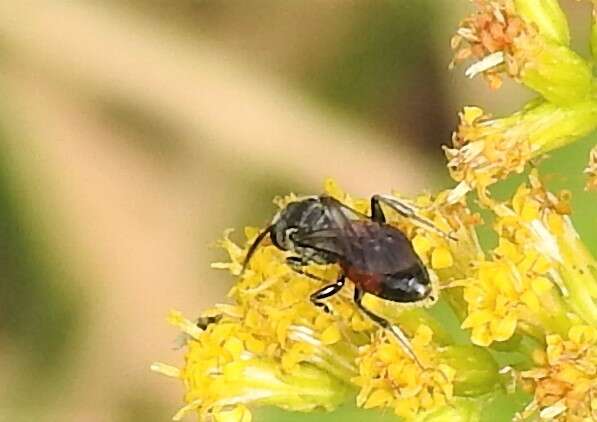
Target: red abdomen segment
(368,282)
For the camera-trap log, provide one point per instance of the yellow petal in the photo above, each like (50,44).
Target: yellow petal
(477,318)
(395,370)
(234,371)
(178,320)
(471,113)
(254,345)
(530,299)
(530,211)
(421,244)
(164,369)
(378,398)
(387,353)
(332,188)
(542,265)
(541,285)
(583,334)
(441,258)
(503,329)
(234,346)
(331,335)
(481,336)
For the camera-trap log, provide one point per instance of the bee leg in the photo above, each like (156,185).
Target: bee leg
(404,210)
(325,292)
(377,213)
(386,325)
(296,264)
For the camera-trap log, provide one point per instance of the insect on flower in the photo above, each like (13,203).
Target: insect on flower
(377,257)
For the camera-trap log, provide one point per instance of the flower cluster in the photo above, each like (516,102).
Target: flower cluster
(528,41)
(388,378)
(565,382)
(492,36)
(534,291)
(521,283)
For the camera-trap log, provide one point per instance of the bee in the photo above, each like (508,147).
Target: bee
(377,257)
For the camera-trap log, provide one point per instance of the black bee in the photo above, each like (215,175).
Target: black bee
(375,256)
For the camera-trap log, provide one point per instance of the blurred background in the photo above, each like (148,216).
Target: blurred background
(132,133)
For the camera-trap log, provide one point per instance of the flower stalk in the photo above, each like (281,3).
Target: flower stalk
(547,16)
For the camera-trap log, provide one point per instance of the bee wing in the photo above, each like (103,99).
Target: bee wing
(381,249)
(347,212)
(342,218)
(324,240)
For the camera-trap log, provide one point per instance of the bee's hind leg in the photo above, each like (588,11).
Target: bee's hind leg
(404,210)
(386,325)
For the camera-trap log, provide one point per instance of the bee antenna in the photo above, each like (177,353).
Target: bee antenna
(254,246)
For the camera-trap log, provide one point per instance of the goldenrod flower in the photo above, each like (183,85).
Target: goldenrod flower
(528,40)
(488,36)
(565,382)
(273,347)
(389,378)
(538,273)
(591,170)
(232,364)
(486,150)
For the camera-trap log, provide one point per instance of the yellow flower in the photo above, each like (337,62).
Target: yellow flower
(389,378)
(591,170)
(486,150)
(489,36)
(565,386)
(231,364)
(538,273)
(527,40)
(273,347)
